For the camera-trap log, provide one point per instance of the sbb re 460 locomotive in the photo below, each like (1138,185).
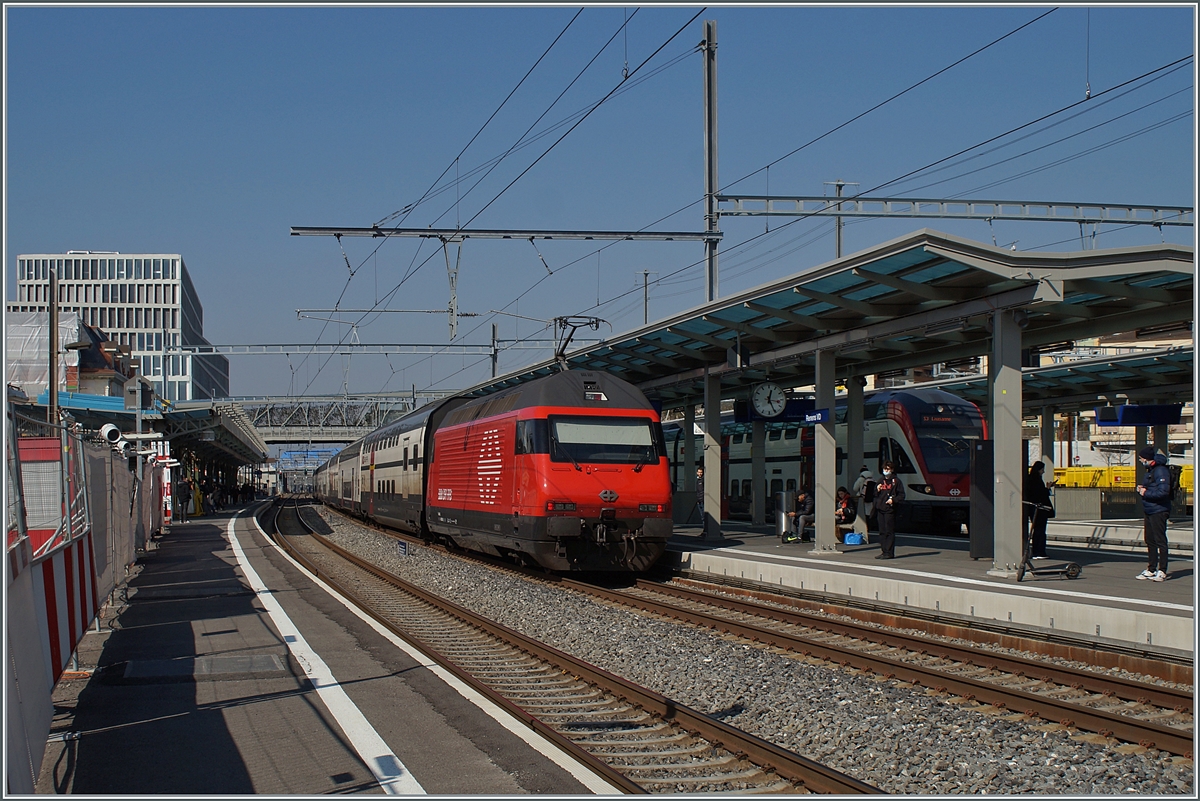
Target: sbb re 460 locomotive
(568,472)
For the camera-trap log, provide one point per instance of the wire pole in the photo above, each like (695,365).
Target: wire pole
(52,392)
(645,297)
(710,156)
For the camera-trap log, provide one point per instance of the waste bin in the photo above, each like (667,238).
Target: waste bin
(784,502)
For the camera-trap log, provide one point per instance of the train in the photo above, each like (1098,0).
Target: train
(926,433)
(567,472)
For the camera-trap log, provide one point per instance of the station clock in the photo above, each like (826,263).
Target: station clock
(768,399)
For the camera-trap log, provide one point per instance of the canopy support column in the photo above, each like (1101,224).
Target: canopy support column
(825,456)
(758,472)
(712,456)
(1004,386)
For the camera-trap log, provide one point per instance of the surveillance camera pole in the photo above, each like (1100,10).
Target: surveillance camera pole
(52,392)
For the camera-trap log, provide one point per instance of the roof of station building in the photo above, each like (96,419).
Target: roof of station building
(924,298)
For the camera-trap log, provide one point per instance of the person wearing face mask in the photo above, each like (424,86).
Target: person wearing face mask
(1156,503)
(889,494)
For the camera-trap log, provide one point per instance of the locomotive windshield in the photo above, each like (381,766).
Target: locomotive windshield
(606,440)
(945,432)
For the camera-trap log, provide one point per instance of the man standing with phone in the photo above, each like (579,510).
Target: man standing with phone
(1156,503)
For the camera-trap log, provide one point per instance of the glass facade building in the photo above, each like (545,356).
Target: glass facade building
(143,300)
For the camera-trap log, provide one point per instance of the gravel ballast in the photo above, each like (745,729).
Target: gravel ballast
(895,737)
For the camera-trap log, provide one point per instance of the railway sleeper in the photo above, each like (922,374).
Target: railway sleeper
(678,756)
(586,720)
(688,762)
(517,684)
(638,735)
(567,705)
(575,696)
(610,751)
(582,717)
(752,773)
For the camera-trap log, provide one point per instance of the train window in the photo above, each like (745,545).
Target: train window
(776,485)
(746,486)
(738,438)
(791,485)
(890,449)
(791,433)
(393,486)
(774,434)
(406,458)
(749,437)
(607,440)
(532,437)
(733,489)
(416,460)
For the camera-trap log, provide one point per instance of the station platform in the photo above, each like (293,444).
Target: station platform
(227,670)
(936,575)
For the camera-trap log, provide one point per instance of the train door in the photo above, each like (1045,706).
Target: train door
(371,482)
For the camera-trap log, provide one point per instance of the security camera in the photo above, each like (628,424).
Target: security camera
(111,433)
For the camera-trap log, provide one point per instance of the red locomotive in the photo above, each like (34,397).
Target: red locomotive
(568,472)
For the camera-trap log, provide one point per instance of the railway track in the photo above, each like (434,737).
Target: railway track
(634,738)
(1150,715)
(1147,715)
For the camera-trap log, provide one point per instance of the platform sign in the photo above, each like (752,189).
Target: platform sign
(817,416)
(402,547)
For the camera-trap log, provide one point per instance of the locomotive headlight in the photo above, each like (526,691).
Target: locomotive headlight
(650,507)
(560,506)
(925,489)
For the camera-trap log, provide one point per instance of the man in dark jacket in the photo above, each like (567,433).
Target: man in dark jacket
(889,494)
(805,516)
(1156,503)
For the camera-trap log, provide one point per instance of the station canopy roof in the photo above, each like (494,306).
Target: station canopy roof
(1159,375)
(212,430)
(924,298)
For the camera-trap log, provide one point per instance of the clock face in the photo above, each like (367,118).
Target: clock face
(768,399)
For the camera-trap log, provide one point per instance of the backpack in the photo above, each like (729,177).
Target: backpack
(869,490)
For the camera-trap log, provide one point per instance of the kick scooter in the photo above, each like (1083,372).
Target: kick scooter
(1069,569)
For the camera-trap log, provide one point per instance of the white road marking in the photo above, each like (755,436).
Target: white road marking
(529,736)
(825,561)
(393,776)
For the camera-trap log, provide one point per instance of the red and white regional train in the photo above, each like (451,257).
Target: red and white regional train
(927,433)
(568,472)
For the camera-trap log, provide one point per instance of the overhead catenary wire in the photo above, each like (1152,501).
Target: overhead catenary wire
(521,138)
(608,96)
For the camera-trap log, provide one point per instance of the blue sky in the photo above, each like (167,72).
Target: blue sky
(211,131)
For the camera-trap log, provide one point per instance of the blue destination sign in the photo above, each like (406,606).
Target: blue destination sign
(817,416)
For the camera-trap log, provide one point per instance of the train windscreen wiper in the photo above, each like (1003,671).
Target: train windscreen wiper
(559,447)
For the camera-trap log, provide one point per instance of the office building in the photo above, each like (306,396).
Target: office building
(143,300)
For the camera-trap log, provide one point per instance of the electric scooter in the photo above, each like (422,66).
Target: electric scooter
(1070,569)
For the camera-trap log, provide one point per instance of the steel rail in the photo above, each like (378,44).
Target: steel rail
(1146,733)
(592,763)
(1126,689)
(771,758)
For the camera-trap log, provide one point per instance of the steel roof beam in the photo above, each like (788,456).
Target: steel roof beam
(927,291)
(804,320)
(849,304)
(746,330)
(1147,293)
(637,354)
(714,341)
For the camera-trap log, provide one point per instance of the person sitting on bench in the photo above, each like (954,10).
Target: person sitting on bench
(804,516)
